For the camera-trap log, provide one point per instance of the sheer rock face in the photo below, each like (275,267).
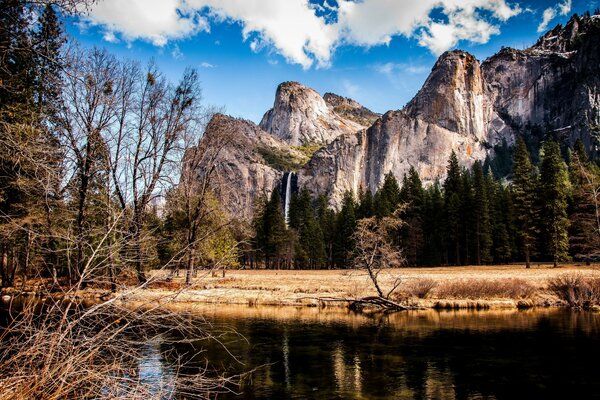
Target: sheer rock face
(450,113)
(301,116)
(469,108)
(555,84)
(394,143)
(463,106)
(241,173)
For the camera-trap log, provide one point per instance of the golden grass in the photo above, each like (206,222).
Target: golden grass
(476,287)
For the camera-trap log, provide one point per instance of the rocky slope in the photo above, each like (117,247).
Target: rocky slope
(464,105)
(468,107)
(249,164)
(301,116)
(554,85)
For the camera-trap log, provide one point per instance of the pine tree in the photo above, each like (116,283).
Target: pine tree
(483,239)
(272,237)
(326,218)
(387,198)
(311,245)
(365,204)
(554,192)
(467,220)
(453,210)
(433,225)
(345,225)
(47,45)
(411,233)
(500,212)
(524,188)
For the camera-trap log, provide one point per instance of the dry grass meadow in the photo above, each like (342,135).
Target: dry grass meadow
(506,286)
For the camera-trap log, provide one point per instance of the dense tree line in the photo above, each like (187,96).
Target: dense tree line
(544,212)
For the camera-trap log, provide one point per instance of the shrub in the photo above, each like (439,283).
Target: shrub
(421,287)
(575,290)
(486,288)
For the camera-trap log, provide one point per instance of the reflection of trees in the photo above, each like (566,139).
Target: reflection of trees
(418,356)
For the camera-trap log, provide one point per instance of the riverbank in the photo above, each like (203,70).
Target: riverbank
(475,287)
(465,287)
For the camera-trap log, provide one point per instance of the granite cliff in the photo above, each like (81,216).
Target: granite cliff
(336,144)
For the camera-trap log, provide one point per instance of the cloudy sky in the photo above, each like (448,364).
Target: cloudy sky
(378,52)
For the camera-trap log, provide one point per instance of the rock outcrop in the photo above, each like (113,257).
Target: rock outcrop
(464,106)
(554,85)
(250,162)
(300,116)
(468,107)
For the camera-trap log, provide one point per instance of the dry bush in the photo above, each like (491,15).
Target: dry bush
(485,288)
(420,287)
(65,349)
(575,290)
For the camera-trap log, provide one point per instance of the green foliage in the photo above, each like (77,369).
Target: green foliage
(387,198)
(554,190)
(309,149)
(481,210)
(281,159)
(345,225)
(524,189)
(272,239)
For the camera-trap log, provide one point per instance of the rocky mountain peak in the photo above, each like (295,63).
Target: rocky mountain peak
(551,89)
(453,95)
(300,116)
(350,109)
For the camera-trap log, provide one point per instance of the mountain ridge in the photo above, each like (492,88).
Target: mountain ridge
(465,106)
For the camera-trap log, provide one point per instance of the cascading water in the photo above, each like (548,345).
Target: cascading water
(288,194)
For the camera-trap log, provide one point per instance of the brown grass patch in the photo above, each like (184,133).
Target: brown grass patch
(485,288)
(167,285)
(420,288)
(576,290)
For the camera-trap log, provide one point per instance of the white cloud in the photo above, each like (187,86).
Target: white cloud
(550,13)
(176,53)
(156,21)
(565,8)
(110,37)
(304,33)
(373,22)
(205,64)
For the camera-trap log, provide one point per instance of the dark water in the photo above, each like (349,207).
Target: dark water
(313,354)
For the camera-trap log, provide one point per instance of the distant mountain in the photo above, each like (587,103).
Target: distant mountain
(301,116)
(335,144)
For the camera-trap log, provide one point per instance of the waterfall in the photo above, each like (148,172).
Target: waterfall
(288,194)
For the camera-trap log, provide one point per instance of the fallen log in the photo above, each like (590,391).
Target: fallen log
(373,301)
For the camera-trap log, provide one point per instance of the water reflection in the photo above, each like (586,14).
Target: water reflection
(421,355)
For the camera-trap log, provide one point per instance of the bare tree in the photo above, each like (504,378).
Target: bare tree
(375,251)
(87,111)
(197,182)
(145,142)
(63,348)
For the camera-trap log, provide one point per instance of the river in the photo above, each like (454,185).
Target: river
(333,354)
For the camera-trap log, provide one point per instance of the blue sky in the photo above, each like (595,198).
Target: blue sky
(378,52)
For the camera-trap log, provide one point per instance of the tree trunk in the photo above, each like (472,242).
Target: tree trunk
(4,271)
(374,279)
(190,266)
(527,265)
(137,242)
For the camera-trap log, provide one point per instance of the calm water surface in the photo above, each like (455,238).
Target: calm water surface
(324,354)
